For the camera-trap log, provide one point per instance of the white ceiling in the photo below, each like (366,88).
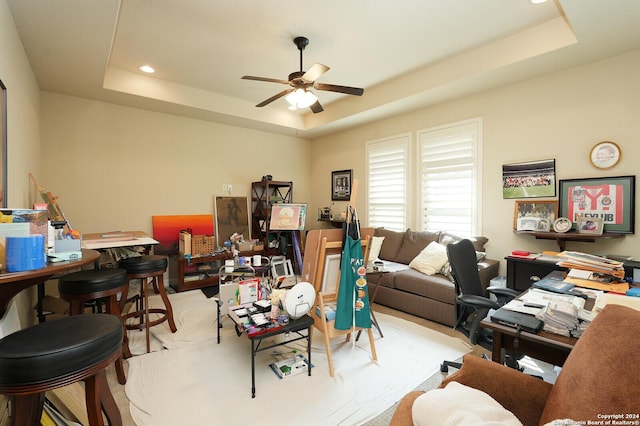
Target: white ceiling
(406,54)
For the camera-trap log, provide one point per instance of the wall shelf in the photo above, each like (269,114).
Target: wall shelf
(561,239)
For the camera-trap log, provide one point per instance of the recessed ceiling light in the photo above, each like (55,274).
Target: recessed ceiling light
(537,1)
(146,68)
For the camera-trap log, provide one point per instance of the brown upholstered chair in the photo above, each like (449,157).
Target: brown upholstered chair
(599,377)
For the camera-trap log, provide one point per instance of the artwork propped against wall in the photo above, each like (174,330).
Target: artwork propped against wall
(166,229)
(232,216)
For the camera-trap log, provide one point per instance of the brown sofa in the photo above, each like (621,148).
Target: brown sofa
(428,296)
(599,379)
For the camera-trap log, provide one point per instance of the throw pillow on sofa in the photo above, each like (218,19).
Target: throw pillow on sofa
(431,259)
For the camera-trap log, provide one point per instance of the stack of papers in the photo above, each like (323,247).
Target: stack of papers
(562,314)
(561,317)
(590,262)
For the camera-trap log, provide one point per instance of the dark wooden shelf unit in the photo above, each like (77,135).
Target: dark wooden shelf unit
(561,239)
(263,195)
(206,266)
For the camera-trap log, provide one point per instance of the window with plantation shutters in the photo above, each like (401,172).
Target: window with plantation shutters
(387,175)
(449,178)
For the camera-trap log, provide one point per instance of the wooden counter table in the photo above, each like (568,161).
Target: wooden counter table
(12,283)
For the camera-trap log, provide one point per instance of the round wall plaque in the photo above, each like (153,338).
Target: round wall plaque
(605,155)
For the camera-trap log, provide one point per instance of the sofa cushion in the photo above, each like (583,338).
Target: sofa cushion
(596,378)
(431,259)
(478,242)
(435,286)
(392,243)
(413,243)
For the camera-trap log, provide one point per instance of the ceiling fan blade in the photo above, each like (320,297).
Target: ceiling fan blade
(314,73)
(340,89)
(270,80)
(274,97)
(316,107)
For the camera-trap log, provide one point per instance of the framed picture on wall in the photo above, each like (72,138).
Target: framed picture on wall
(610,198)
(539,209)
(533,179)
(341,185)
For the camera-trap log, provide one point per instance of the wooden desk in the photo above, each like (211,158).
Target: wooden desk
(548,347)
(12,283)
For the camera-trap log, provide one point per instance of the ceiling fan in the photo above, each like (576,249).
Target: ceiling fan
(299,94)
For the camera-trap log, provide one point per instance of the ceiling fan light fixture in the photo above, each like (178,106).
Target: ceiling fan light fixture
(301,98)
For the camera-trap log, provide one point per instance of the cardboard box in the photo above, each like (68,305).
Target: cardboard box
(244,246)
(249,291)
(184,244)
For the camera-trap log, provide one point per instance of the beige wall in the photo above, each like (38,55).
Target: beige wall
(558,116)
(23,131)
(115,167)
(23,105)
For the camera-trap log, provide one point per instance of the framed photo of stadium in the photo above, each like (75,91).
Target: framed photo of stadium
(533,179)
(609,198)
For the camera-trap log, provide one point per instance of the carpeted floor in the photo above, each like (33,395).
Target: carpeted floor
(382,419)
(204,375)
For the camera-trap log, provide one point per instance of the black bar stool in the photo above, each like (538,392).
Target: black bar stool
(57,353)
(94,285)
(144,268)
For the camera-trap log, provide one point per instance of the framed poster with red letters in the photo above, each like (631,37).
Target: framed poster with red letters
(611,199)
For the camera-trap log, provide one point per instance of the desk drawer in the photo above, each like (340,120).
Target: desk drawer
(522,273)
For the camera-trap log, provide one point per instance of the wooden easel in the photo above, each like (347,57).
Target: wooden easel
(330,242)
(55,214)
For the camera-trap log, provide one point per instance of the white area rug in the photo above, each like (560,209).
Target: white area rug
(202,382)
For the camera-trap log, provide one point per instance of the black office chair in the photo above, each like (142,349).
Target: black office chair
(472,305)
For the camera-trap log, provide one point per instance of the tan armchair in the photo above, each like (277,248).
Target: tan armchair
(599,378)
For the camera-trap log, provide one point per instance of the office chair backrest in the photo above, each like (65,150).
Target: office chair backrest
(464,267)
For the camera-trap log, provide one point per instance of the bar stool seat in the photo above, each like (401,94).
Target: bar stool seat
(57,353)
(81,287)
(147,267)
